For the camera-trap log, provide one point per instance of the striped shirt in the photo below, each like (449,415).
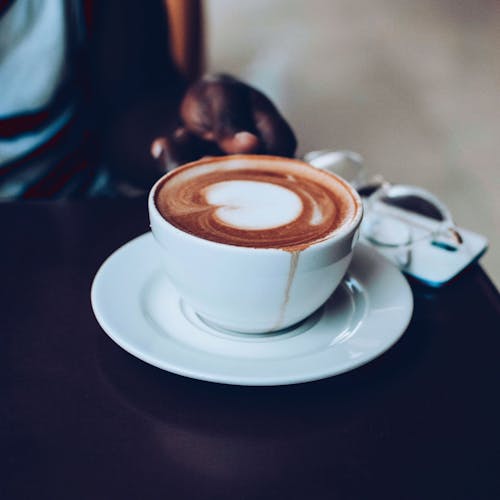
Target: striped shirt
(46,149)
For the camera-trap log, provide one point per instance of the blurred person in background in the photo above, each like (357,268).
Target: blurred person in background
(102,97)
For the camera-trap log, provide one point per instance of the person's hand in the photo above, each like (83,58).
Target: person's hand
(221,115)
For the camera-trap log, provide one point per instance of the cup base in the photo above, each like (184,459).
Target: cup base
(290,331)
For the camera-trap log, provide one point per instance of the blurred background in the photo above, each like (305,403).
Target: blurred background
(411,85)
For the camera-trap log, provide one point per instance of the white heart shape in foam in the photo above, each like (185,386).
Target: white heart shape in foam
(253,205)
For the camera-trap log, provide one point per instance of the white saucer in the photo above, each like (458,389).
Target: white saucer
(139,309)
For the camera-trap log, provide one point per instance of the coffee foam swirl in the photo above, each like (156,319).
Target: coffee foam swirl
(236,200)
(255,201)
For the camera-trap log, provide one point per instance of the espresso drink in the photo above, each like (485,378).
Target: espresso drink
(263,202)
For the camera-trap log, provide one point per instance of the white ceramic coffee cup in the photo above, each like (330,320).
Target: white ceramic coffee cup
(253,290)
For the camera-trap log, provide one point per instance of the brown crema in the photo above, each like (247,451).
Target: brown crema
(327,201)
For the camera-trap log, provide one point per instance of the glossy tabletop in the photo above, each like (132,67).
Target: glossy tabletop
(82,419)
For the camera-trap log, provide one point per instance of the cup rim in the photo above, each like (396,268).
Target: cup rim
(345,229)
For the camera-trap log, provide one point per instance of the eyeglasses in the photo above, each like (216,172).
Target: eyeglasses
(397,217)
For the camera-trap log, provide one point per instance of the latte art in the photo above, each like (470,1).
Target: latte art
(265,204)
(251,205)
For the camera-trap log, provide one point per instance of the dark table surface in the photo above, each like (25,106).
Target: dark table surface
(82,419)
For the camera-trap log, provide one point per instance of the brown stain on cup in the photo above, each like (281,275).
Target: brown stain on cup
(294,261)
